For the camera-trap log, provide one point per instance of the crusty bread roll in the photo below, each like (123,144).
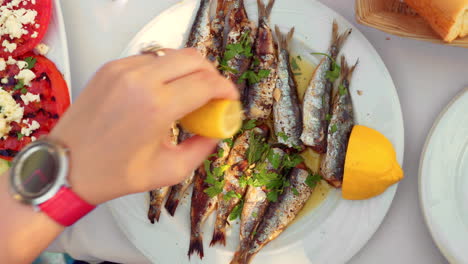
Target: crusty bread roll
(449,18)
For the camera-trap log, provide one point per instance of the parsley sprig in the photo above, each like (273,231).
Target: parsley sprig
(243,47)
(215,178)
(334,72)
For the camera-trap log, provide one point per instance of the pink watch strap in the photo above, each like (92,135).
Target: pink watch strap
(66,207)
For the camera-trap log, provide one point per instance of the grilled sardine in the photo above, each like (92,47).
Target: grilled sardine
(316,105)
(286,108)
(260,94)
(339,130)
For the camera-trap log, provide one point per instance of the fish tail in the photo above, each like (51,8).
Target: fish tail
(171,204)
(154,213)
(338,40)
(346,71)
(220,6)
(284,40)
(196,245)
(239,258)
(219,236)
(264,11)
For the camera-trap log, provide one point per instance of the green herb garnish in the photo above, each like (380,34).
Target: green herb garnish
(282,135)
(19,85)
(31,62)
(19,135)
(333,128)
(24,90)
(214,178)
(312,180)
(334,72)
(236,212)
(231,194)
(295,191)
(294,64)
(328,117)
(342,90)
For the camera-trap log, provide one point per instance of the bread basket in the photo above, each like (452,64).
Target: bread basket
(397,18)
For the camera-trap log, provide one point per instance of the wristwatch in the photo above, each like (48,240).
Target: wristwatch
(38,177)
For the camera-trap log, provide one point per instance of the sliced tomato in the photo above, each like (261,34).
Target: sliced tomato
(27,42)
(54,101)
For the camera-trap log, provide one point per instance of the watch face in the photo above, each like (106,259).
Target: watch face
(36,174)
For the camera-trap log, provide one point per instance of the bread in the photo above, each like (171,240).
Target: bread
(449,18)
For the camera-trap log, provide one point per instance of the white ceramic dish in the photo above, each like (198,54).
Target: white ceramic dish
(443,180)
(56,39)
(334,231)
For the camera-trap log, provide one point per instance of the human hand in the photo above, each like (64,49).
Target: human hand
(118,129)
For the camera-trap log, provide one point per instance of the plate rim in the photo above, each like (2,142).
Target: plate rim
(422,203)
(64,43)
(390,193)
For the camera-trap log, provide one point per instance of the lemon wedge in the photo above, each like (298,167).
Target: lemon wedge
(370,166)
(217,119)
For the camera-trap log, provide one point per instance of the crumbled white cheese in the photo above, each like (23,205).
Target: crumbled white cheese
(10,61)
(13,20)
(33,138)
(10,112)
(33,2)
(27,131)
(2,64)
(10,47)
(21,64)
(29,97)
(4,80)
(42,49)
(34,34)
(26,75)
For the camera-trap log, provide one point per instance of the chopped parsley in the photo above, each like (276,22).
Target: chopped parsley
(214,178)
(257,148)
(292,160)
(299,57)
(295,191)
(254,214)
(312,180)
(19,85)
(231,194)
(342,90)
(252,77)
(19,135)
(220,152)
(294,64)
(274,159)
(333,128)
(229,141)
(282,135)
(243,47)
(31,61)
(252,123)
(237,211)
(328,117)
(334,72)
(24,90)
(272,196)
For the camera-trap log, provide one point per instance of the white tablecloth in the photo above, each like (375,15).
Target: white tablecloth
(426,75)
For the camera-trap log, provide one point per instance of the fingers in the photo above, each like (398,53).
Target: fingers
(195,90)
(181,160)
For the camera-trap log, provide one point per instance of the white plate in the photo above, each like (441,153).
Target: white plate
(56,39)
(337,229)
(443,180)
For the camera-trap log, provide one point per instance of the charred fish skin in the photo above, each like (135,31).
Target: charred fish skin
(202,204)
(286,108)
(240,26)
(316,105)
(200,36)
(339,130)
(260,94)
(157,196)
(177,193)
(255,205)
(238,165)
(280,214)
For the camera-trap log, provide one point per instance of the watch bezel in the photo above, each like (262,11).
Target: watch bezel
(58,152)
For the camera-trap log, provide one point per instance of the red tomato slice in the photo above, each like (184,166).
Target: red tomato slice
(27,42)
(54,101)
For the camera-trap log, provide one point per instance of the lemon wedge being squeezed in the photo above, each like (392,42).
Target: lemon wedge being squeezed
(217,119)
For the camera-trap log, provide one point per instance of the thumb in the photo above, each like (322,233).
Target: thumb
(178,162)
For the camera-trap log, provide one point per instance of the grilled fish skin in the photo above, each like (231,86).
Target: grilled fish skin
(339,130)
(202,204)
(238,165)
(201,36)
(316,105)
(177,193)
(157,196)
(279,214)
(287,114)
(255,205)
(239,25)
(259,100)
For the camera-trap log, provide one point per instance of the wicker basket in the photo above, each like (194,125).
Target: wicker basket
(395,17)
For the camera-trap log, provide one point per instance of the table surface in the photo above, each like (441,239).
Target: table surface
(427,76)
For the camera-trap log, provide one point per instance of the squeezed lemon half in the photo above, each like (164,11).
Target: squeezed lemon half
(217,119)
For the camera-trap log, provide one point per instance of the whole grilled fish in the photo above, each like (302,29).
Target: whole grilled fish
(242,30)
(238,165)
(279,214)
(339,130)
(202,204)
(255,205)
(177,193)
(260,94)
(316,105)
(201,36)
(286,108)
(157,196)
